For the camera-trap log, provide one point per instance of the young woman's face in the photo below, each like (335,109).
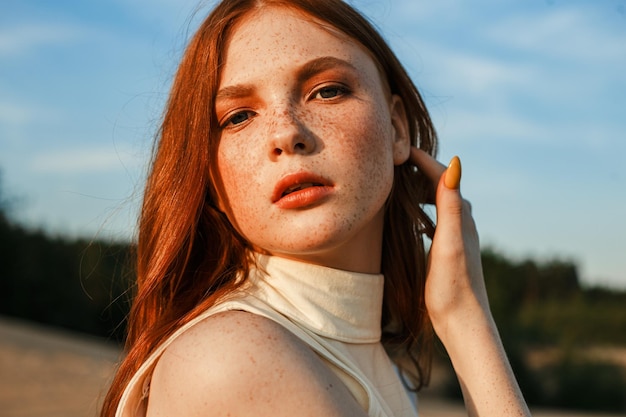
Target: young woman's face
(309,139)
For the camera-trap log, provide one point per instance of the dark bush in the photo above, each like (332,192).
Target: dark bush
(582,384)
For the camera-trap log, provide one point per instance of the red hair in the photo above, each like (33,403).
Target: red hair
(188,253)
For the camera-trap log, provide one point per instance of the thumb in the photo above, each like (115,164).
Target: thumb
(449,204)
(455,263)
(452,178)
(449,201)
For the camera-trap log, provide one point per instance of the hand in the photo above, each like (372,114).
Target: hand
(457,303)
(454,284)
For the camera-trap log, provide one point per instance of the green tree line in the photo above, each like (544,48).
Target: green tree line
(541,309)
(557,332)
(76,284)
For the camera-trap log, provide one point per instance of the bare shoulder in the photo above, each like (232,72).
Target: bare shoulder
(240,364)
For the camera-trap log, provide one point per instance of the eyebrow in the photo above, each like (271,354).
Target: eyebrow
(321,64)
(234,91)
(308,70)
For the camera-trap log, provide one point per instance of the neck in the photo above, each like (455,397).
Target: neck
(361,253)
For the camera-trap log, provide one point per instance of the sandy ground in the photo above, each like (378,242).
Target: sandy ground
(52,373)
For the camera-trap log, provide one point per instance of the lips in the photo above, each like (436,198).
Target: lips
(298,187)
(301,189)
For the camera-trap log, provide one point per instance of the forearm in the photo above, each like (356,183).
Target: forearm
(487,381)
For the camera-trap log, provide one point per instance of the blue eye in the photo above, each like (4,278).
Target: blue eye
(238,118)
(331,92)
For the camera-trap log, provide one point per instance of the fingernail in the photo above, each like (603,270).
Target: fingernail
(453,174)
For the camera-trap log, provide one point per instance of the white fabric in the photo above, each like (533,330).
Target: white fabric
(337,313)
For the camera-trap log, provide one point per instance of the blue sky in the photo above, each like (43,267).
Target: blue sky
(531,94)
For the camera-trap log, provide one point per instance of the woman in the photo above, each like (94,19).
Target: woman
(280,243)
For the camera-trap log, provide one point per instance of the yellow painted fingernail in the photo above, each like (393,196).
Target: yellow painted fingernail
(453,174)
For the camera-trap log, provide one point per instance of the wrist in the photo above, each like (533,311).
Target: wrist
(461,326)
(480,363)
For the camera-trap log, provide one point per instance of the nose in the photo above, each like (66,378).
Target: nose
(289,135)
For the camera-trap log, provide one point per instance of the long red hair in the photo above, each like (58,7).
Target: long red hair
(188,253)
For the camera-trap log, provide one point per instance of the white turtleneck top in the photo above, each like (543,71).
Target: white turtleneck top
(337,313)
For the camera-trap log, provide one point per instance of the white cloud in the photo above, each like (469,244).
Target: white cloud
(468,124)
(88,160)
(494,125)
(11,114)
(473,71)
(561,33)
(175,16)
(554,82)
(20,39)
(21,113)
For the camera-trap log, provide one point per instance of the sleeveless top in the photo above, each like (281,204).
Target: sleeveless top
(337,313)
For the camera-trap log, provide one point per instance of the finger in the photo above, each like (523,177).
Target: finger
(456,235)
(448,241)
(448,195)
(427,164)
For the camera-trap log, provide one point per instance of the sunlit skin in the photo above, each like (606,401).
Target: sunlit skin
(299,104)
(302,108)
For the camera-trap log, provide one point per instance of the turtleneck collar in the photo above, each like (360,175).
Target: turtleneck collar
(333,303)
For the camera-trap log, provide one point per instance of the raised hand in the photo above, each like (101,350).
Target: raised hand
(457,301)
(455,277)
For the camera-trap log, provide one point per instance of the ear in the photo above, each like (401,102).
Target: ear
(401,139)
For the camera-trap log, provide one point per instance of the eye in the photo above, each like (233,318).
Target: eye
(238,118)
(330,92)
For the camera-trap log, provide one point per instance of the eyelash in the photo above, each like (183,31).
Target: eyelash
(342,90)
(229,122)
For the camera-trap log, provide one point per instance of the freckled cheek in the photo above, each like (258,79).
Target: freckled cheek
(364,138)
(226,166)
(242,208)
(237,173)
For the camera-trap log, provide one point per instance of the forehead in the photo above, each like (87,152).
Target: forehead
(280,37)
